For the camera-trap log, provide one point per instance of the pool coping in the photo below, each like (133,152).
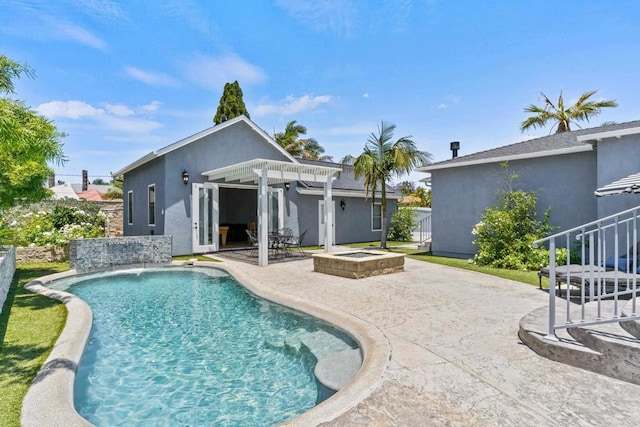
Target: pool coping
(49,400)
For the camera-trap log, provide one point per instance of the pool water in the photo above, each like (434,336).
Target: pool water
(192,347)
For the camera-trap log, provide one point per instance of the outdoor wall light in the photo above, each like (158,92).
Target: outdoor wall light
(185,177)
(343,204)
(287,186)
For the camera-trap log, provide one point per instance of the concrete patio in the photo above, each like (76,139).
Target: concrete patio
(455,356)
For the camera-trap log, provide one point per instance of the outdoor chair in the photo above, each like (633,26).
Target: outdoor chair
(296,242)
(253,240)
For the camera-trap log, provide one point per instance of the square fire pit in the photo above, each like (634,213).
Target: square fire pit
(358,264)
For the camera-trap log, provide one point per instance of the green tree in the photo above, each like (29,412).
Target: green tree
(563,117)
(231,104)
(383,159)
(99,181)
(116,189)
(28,142)
(290,140)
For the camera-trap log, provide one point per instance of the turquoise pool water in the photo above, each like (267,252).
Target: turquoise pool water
(192,347)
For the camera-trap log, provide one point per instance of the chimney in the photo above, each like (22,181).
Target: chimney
(455,146)
(85,180)
(52,180)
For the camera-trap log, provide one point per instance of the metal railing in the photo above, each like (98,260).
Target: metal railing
(425,229)
(607,250)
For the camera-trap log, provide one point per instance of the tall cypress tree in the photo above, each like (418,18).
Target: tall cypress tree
(231,103)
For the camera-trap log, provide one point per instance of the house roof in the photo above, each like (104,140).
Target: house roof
(91,195)
(63,191)
(555,144)
(195,137)
(345,184)
(629,184)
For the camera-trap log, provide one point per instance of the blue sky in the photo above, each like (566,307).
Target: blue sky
(125,78)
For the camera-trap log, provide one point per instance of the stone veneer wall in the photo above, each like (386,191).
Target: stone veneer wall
(105,253)
(41,254)
(7,269)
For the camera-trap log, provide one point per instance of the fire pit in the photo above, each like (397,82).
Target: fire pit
(358,264)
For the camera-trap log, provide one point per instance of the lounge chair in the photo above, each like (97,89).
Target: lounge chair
(253,240)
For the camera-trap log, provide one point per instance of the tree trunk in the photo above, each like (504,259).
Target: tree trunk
(563,126)
(383,215)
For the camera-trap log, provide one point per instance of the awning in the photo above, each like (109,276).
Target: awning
(630,184)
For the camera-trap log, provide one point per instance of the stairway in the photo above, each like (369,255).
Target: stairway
(611,349)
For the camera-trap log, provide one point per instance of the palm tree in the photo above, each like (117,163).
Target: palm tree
(562,117)
(301,148)
(382,159)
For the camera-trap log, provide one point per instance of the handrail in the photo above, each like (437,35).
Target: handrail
(606,275)
(580,227)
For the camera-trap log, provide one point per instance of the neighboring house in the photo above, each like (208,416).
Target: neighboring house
(563,169)
(199,186)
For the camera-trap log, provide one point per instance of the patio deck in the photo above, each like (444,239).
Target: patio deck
(455,354)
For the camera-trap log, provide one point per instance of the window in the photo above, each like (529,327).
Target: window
(152,204)
(376,217)
(130,207)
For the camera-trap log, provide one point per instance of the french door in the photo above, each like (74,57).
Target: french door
(205,214)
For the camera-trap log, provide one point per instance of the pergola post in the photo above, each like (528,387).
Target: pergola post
(263,219)
(328,215)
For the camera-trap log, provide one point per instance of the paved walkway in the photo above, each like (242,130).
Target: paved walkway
(456,359)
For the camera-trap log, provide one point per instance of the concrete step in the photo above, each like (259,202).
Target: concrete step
(606,349)
(631,326)
(337,370)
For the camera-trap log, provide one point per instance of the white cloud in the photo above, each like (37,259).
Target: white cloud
(100,8)
(150,78)
(291,105)
(68,110)
(337,16)
(150,108)
(113,117)
(66,30)
(213,73)
(119,110)
(441,106)
(365,95)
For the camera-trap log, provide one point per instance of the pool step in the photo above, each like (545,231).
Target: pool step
(322,344)
(335,371)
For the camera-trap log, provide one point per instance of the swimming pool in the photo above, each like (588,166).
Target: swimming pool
(193,347)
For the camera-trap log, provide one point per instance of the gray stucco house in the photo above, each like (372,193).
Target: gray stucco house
(564,169)
(215,178)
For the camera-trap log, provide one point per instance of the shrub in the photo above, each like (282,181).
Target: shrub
(506,232)
(52,223)
(402,225)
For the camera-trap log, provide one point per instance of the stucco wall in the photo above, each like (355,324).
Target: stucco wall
(138,181)
(7,270)
(617,158)
(228,146)
(459,195)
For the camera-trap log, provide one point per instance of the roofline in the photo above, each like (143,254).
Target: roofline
(547,153)
(188,140)
(609,134)
(340,193)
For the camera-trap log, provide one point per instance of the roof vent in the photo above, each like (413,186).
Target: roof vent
(455,146)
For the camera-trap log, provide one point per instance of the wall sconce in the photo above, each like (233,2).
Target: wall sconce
(287,186)
(185,177)
(343,204)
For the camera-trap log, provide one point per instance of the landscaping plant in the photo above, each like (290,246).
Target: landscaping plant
(402,225)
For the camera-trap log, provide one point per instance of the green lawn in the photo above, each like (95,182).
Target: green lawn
(390,243)
(29,326)
(198,257)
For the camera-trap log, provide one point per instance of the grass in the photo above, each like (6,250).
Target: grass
(29,326)
(528,277)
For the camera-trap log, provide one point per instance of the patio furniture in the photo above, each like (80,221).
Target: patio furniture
(253,240)
(296,242)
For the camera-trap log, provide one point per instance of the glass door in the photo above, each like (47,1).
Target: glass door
(205,213)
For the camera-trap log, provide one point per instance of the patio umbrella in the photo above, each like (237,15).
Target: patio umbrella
(629,184)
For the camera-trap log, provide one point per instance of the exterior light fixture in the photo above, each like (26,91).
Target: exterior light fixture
(287,186)
(343,204)
(185,177)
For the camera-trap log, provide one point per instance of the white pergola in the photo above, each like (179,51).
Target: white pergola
(267,172)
